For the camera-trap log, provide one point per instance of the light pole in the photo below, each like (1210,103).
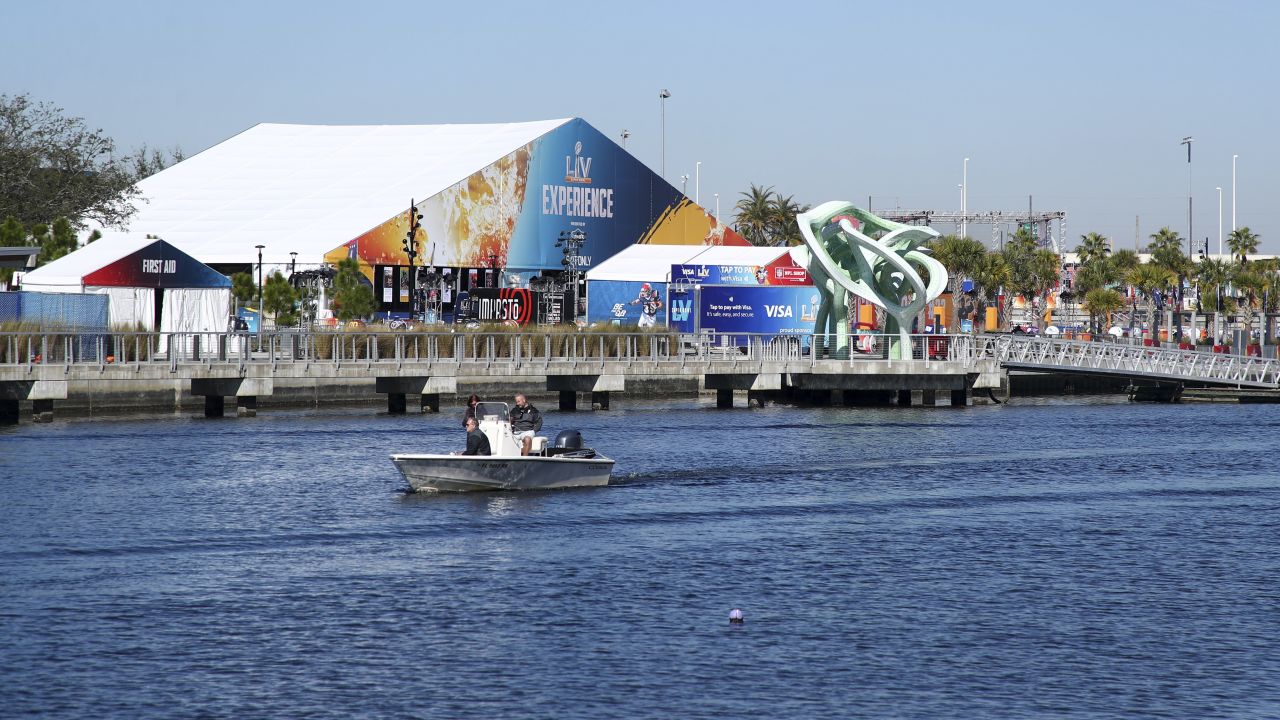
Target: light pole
(293,263)
(717,210)
(697,184)
(260,313)
(662,102)
(1190,237)
(684,184)
(1233,196)
(1219,220)
(625,134)
(964,200)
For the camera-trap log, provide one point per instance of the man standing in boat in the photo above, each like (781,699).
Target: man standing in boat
(525,422)
(477,442)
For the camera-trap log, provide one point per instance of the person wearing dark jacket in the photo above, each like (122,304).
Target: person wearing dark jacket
(525,421)
(477,442)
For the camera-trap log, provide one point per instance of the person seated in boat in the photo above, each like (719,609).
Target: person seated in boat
(470,412)
(526,421)
(477,442)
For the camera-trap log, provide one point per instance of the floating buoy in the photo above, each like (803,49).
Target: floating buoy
(735,617)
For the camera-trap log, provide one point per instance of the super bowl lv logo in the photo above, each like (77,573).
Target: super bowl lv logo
(572,199)
(577,169)
(680,310)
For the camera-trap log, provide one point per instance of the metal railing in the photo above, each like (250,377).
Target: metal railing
(1120,358)
(388,347)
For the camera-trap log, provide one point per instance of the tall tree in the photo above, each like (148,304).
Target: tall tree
(54,166)
(1101,302)
(989,276)
(1243,243)
(352,295)
(1150,280)
(281,300)
(961,256)
(755,214)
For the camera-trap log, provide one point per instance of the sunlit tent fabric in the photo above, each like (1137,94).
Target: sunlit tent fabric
(149,283)
(489,195)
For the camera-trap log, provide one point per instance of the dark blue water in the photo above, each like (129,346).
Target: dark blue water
(1055,559)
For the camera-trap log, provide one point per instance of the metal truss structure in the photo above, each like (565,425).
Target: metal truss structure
(1042,222)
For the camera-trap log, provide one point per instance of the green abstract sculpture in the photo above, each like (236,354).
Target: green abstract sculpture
(848,250)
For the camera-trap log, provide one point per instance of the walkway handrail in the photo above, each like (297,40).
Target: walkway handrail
(1116,358)
(522,348)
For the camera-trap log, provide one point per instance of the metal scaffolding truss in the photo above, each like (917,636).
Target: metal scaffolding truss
(1042,222)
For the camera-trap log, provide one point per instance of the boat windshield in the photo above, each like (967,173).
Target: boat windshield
(492,411)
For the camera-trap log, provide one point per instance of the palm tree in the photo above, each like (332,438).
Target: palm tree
(1148,279)
(1212,276)
(989,275)
(783,230)
(1243,242)
(960,256)
(1101,302)
(756,212)
(1093,248)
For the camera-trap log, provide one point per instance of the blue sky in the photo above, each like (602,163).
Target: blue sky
(1080,105)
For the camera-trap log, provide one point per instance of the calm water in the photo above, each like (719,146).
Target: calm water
(1051,559)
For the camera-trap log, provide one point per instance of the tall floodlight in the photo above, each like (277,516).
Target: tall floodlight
(1190,235)
(697,184)
(1233,196)
(964,200)
(662,101)
(1219,220)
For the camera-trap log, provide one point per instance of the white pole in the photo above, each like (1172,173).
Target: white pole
(662,100)
(1233,196)
(964,201)
(697,184)
(717,209)
(1219,221)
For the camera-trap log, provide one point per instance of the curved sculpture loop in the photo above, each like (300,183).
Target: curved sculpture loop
(848,250)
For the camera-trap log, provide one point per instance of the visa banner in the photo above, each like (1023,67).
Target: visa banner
(758,309)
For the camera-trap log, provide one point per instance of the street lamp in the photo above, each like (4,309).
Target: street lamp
(1190,234)
(1233,196)
(293,263)
(717,210)
(1219,221)
(625,134)
(662,101)
(260,313)
(697,184)
(964,200)
(684,184)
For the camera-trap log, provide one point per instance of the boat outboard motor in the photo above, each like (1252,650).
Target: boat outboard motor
(569,440)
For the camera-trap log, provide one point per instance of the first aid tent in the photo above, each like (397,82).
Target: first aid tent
(150,284)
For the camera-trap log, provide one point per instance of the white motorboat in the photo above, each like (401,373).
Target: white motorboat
(562,464)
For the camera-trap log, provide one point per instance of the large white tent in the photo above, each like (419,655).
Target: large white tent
(307,189)
(653,262)
(143,278)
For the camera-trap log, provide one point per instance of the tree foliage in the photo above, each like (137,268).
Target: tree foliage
(53,166)
(243,288)
(352,295)
(767,218)
(281,300)
(961,256)
(1033,270)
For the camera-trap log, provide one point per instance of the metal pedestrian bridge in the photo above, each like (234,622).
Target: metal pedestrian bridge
(1115,359)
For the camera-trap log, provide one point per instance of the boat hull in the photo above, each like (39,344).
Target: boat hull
(466,473)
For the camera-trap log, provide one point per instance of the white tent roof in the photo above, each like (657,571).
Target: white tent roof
(653,262)
(70,269)
(309,188)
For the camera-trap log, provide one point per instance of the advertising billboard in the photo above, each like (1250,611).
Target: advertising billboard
(757,309)
(779,272)
(510,213)
(622,302)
